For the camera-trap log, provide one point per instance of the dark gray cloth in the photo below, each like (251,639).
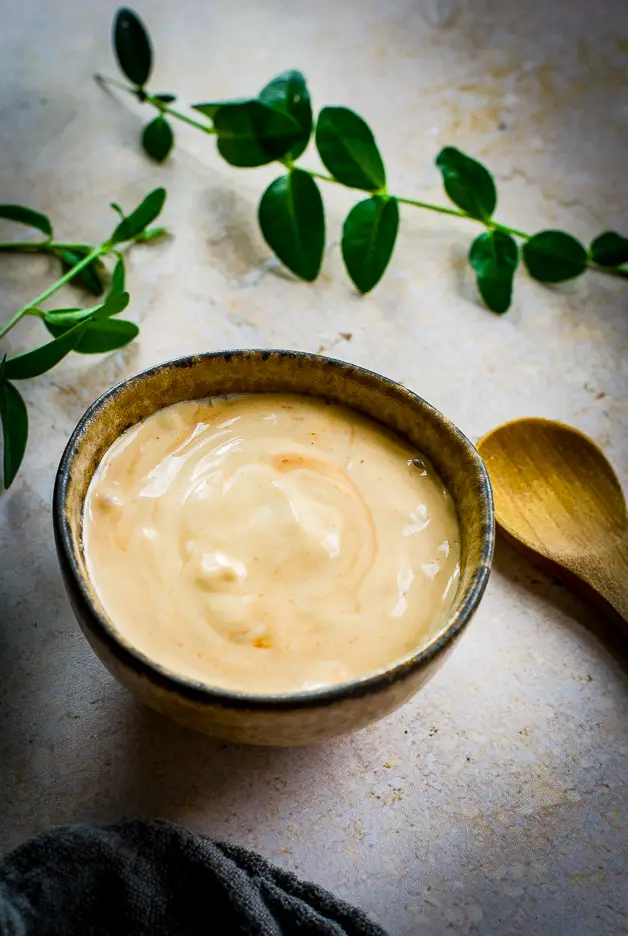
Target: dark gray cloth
(156,879)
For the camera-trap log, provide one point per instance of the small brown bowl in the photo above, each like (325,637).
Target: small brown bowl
(299,718)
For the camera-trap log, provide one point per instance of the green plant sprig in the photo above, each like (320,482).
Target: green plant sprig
(94,330)
(277,125)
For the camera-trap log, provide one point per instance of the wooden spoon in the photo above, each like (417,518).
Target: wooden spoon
(558,500)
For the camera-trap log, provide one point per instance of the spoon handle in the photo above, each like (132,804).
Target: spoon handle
(608,577)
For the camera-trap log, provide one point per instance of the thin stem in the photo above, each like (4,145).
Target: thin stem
(428,206)
(318,175)
(439,208)
(509,230)
(611,271)
(59,246)
(93,255)
(105,80)
(12,322)
(164,108)
(25,245)
(41,246)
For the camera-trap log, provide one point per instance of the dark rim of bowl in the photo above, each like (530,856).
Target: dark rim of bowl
(199,692)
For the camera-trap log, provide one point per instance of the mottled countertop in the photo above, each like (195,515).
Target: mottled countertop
(495,803)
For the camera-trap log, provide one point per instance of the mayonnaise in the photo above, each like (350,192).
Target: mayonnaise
(270,543)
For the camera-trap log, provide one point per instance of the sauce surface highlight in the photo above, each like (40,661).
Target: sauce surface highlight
(270,543)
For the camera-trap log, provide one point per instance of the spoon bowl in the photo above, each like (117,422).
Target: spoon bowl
(558,499)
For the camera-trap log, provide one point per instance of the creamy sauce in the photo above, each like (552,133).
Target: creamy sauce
(270,543)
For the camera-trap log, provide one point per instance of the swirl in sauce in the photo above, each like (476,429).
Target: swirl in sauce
(270,543)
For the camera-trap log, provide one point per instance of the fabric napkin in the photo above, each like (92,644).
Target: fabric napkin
(153,878)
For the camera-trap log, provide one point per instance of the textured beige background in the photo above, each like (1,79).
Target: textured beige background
(496,803)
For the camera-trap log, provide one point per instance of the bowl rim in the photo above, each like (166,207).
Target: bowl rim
(197,691)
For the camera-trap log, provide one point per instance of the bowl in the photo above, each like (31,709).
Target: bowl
(298,718)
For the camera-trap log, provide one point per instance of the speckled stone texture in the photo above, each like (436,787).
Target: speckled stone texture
(496,803)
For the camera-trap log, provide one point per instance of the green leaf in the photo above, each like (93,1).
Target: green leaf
(144,214)
(89,278)
(288,93)
(468,183)
(14,418)
(348,149)
(554,256)
(36,362)
(27,216)
(59,321)
(158,138)
(494,256)
(151,234)
(210,108)
(132,46)
(368,239)
(66,317)
(102,336)
(165,98)
(117,278)
(609,249)
(292,220)
(102,333)
(250,133)
(112,305)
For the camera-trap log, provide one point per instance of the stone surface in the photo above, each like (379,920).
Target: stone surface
(496,803)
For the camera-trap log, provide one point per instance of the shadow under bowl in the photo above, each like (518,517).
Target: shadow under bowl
(298,718)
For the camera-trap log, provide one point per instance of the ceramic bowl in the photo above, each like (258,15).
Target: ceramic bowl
(299,718)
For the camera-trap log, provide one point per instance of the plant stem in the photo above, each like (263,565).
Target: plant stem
(40,246)
(12,322)
(610,271)
(166,109)
(507,230)
(93,255)
(25,245)
(104,80)
(441,209)
(315,175)
(429,207)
